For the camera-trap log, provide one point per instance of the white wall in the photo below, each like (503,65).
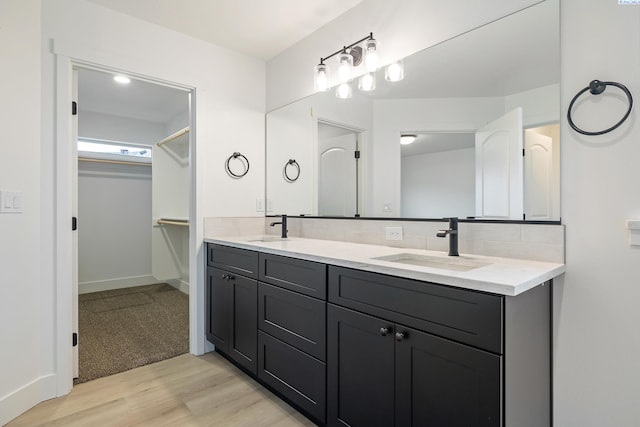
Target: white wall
(437,185)
(22,380)
(114,226)
(116,128)
(597,343)
(114,208)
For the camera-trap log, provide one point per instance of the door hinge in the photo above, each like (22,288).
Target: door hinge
(74,108)
(74,339)
(356,154)
(524,217)
(74,223)
(523,152)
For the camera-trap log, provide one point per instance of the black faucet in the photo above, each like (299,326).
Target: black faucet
(284,226)
(453,235)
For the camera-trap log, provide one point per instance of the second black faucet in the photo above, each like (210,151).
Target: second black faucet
(283,221)
(453,235)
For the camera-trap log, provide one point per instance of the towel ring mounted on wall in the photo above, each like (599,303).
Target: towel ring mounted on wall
(243,160)
(291,162)
(596,87)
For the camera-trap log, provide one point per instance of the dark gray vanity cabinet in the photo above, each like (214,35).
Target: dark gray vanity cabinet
(232,303)
(292,331)
(354,348)
(389,370)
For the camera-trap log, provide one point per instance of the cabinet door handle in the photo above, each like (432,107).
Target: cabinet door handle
(400,336)
(384,331)
(227,277)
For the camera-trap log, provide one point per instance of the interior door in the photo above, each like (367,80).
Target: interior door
(499,168)
(74,234)
(337,175)
(538,171)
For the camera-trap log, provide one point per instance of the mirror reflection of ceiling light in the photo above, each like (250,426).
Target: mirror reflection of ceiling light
(122,79)
(407,139)
(394,72)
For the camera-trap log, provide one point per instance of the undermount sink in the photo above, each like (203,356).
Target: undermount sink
(460,263)
(268,239)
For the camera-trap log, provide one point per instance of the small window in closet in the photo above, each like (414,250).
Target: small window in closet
(113,150)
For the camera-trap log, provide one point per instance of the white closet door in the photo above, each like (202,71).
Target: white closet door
(170,200)
(499,169)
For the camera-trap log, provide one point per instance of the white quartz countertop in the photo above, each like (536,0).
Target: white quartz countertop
(505,276)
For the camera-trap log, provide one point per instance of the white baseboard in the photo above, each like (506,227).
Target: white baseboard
(123,282)
(179,284)
(26,397)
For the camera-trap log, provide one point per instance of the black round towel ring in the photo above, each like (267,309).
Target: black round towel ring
(596,87)
(243,160)
(292,162)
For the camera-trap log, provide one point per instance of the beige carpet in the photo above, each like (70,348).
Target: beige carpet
(126,328)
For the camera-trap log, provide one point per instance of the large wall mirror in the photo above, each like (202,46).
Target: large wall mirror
(482,108)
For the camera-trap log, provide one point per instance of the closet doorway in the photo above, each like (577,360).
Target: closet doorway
(133,189)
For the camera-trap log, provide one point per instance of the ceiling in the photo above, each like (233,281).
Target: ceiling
(141,100)
(258,28)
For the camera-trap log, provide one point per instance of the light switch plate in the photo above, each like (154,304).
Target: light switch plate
(10,201)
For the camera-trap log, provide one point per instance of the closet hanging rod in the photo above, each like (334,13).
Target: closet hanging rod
(174,136)
(180,222)
(115,162)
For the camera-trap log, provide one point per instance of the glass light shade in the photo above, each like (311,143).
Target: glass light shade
(344,69)
(321,78)
(371,57)
(343,91)
(394,72)
(407,139)
(367,82)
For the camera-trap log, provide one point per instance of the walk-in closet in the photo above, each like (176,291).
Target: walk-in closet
(133,192)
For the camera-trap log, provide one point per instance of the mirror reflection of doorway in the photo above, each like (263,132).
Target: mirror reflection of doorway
(128,314)
(338,155)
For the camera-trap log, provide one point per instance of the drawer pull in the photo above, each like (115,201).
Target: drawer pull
(385,331)
(227,277)
(400,336)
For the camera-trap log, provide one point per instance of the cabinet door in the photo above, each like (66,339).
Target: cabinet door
(218,310)
(444,383)
(243,322)
(360,369)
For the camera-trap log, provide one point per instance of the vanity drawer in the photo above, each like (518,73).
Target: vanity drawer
(293,373)
(305,277)
(465,316)
(296,319)
(240,261)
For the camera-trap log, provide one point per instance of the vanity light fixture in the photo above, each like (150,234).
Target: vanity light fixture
(349,57)
(407,139)
(122,79)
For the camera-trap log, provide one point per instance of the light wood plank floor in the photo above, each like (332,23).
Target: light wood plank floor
(183,391)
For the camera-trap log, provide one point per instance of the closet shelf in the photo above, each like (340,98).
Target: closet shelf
(173,221)
(174,136)
(115,162)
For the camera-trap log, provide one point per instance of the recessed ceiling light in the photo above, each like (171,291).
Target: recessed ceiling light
(407,139)
(122,79)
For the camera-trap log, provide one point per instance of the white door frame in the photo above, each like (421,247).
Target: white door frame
(64,65)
